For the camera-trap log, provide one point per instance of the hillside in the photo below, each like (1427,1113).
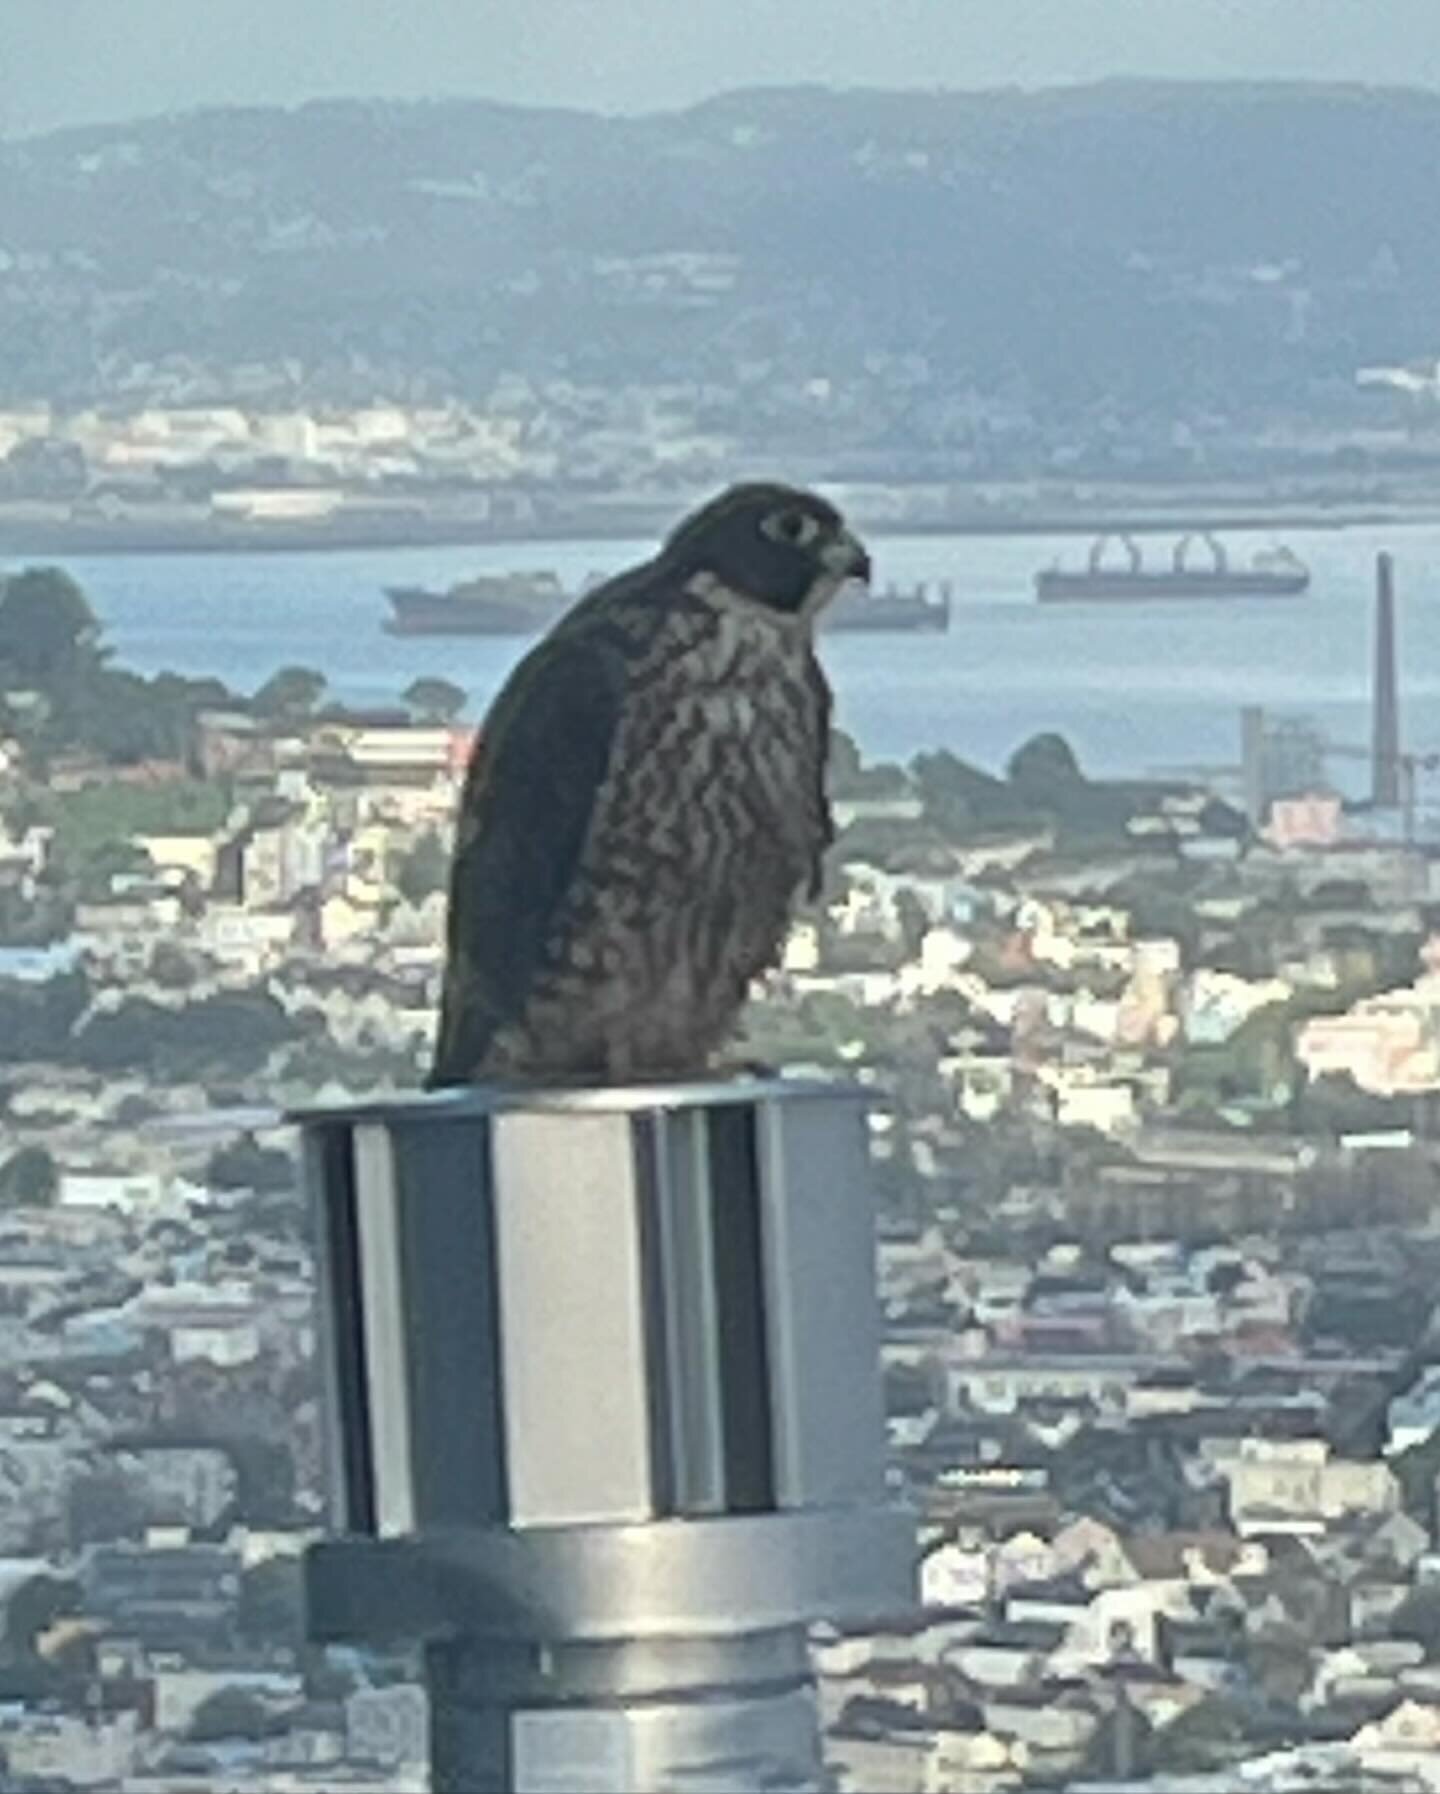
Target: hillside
(955,267)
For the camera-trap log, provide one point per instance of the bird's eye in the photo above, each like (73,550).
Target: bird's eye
(794,527)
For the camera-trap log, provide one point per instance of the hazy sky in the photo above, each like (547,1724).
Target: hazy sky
(63,61)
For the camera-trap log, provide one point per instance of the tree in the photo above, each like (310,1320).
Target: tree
(1044,768)
(272,1603)
(435,700)
(36,1020)
(1416,1470)
(29,1179)
(171,967)
(103,1505)
(264,1479)
(237,1030)
(245,1164)
(1208,1736)
(34,1608)
(96,875)
(47,628)
(424,870)
(960,798)
(290,694)
(232,1713)
(329,1679)
(913,919)
(1418,1618)
(1334,1104)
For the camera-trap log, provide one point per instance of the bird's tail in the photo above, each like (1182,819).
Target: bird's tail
(461,1041)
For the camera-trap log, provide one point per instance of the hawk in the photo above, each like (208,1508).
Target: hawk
(645,804)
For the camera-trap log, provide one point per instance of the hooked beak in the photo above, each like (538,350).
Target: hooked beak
(847,558)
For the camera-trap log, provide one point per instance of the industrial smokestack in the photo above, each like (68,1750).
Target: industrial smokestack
(1386,785)
(1252,762)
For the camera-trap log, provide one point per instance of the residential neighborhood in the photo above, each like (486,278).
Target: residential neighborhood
(1156,1191)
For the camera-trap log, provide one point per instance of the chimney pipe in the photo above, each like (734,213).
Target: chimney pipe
(1386,742)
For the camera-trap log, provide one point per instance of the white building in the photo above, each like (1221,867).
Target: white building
(123,1192)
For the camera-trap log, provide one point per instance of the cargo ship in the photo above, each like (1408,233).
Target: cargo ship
(528,603)
(1277,573)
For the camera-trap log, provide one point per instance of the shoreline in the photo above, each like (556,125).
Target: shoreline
(25,537)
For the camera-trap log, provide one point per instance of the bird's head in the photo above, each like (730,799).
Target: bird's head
(777,546)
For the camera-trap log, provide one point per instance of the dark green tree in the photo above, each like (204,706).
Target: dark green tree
(34,1608)
(29,1179)
(435,700)
(233,1030)
(264,1478)
(48,632)
(245,1164)
(914,921)
(102,1505)
(1044,768)
(272,1603)
(423,870)
(232,1713)
(960,798)
(1416,1470)
(289,695)
(95,874)
(1418,1618)
(1208,1736)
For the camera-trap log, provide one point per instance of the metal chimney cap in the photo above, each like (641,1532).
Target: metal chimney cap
(475,1102)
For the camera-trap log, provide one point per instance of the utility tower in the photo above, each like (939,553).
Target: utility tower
(1385,789)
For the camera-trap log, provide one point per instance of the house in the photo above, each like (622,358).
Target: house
(998,1384)
(171,1597)
(1094,1552)
(1107,1108)
(1294,1486)
(1390,1044)
(1008,1653)
(278,863)
(1410,1726)
(341,921)
(124,1192)
(879,1758)
(389,1726)
(178,1485)
(38,965)
(1046,1728)
(1376,1596)
(221,1325)
(246,941)
(178,858)
(1215,1004)
(955,1576)
(46,1749)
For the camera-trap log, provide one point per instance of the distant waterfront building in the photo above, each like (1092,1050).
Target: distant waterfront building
(1281,757)
(1293,763)
(1311,820)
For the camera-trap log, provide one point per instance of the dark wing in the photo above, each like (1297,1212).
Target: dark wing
(824,706)
(529,797)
